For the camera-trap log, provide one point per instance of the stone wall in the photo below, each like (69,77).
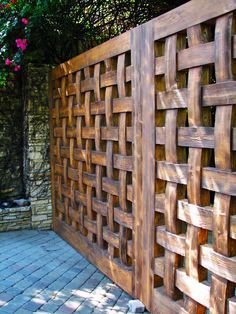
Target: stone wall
(37,164)
(34,157)
(15,218)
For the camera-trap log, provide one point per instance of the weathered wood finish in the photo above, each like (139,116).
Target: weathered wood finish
(143,158)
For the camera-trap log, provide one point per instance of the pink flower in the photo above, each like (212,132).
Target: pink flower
(21,43)
(8,62)
(25,21)
(17,68)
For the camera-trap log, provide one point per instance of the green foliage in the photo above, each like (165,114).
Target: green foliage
(60,29)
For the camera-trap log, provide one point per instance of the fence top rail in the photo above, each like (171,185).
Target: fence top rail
(182,17)
(108,49)
(189,14)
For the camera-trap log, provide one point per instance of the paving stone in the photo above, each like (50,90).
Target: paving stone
(5,297)
(73,303)
(48,276)
(60,298)
(99,311)
(50,307)
(23,311)
(32,306)
(44,295)
(39,285)
(14,291)
(33,279)
(81,294)
(84,310)
(11,307)
(57,285)
(114,294)
(16,277)
(23,284)
(5,284)
(21,299)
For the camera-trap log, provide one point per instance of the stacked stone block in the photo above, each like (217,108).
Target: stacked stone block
(37,164)
(15,218)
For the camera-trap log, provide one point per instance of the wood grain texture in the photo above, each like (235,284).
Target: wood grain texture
(200,136)
(190,14)
(92,139)
(221,289)
(108,49)
(148,164)
(143,158)
(139,209)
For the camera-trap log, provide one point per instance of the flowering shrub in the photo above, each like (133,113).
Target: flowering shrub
(52,31)
(14,33)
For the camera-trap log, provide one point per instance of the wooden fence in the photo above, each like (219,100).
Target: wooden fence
(143,156)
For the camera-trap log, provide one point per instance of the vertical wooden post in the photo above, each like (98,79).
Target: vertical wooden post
(144,159)
(136,40)
(148,148)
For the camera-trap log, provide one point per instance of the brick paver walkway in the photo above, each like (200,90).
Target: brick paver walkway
(40,273)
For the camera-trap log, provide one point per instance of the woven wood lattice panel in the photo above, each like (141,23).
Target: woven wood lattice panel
(143,157)
(92,147)
(195,200)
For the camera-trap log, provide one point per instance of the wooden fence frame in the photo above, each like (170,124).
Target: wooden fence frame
(166,227)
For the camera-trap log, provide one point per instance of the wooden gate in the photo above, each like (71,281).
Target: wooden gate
(143,158)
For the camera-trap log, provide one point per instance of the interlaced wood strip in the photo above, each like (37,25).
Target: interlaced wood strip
(197,225)
(143,150)
(92,136)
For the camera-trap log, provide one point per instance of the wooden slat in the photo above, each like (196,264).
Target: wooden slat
(138,208)
(198,137)
(190,14)
(132,178)
(172,99)
(160,203)
(196,55)
(221,265)
(222,93)
(108,49)
(172,242)
(198,291)
(99,206)
(159,266)
(148,160)
(223,118)
(195,215)
(163,304)
(232,305)
(233,227)
(123,218)
(219,181)
(212,179)
(171,172)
